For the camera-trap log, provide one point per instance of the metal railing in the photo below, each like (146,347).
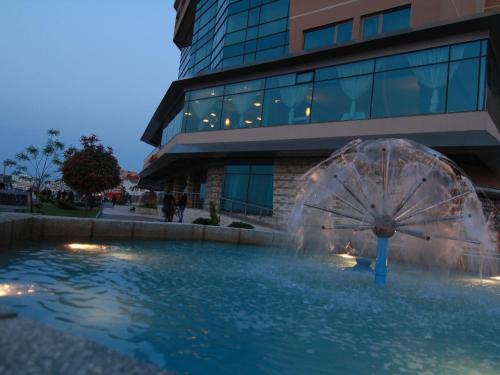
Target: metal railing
(242,207)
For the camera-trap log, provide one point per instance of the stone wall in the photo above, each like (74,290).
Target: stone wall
(492,208)
(287,178)
(215,180)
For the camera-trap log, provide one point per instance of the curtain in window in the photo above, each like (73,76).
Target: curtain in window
(293,97)
(242,104)
(355,86)
(434,77)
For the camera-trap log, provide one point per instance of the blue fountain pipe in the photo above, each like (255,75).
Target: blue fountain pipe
(381,262)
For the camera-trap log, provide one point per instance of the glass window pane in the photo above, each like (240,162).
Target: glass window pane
(237,168)
(484,47)
(289,105)
(247,86)
(236,22)
(305,77)
(425,57)
(273,11)
(410,91)
(482,85)
(279,81)
(253,17)
(242,110)
(272,27)
(345,70)
(252,33)
(261,169)
(396,20)
(318,38)
(344,32)
(232,61)
(233,38)
(235,191)
(268,54)
(204,114)
(465,50)
(206,93)
(234,50)
(370,26)
(463,86)
(260,193)
(272,41)
(342,99)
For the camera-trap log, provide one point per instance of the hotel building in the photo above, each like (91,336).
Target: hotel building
(268,88)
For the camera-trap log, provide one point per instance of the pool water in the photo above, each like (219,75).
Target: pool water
(220,309)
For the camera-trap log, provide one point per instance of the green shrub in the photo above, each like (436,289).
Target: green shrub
(65,205)
(240,224)
(214,218)
(203,221)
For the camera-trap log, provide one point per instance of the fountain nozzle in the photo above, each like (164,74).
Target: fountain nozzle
(384,226)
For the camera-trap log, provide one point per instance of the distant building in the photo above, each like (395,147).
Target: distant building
(268,88)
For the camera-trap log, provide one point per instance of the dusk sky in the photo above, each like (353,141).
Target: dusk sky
(83,67)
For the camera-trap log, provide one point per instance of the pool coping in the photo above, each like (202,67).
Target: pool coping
(17,229)
(30,347)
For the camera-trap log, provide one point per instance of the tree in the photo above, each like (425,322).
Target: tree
(38,164)
(92,169)
(7,163)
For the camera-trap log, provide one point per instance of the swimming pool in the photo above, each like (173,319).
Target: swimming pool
(206,308)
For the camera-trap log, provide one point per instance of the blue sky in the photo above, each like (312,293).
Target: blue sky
(83,67)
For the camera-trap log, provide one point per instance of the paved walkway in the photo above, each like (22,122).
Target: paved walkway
(190,214)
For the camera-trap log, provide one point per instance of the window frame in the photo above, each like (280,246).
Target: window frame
(335,35)
(380,16)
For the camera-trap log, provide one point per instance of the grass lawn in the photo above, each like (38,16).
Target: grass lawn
(52,210)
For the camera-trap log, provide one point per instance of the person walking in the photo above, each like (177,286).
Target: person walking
(182,205)
(169,206)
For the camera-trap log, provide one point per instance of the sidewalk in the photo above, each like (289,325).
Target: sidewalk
(190,214)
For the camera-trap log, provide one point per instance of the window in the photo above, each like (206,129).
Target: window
(242,110)
(435,80)
(462,89)
(396,20)
(319,38)
(346,93)
(327,36)
(288,105)
(410,91)
(203,114)
(248,188)
(389,21)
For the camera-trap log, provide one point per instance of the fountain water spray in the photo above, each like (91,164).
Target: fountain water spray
(395,189)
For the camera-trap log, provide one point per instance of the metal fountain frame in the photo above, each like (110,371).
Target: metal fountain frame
(385,224)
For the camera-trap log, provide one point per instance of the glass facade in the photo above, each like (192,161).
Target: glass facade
(328,36)
(389,21)
(438,80)
(248,188)
(229,33)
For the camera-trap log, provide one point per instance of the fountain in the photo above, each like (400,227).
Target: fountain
(397,191)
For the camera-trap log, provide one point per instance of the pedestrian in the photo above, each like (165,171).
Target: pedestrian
(113,200)
(182,205)
(169,206)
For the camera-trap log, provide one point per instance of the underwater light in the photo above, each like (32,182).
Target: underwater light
(13,290)
(346,256)
(86,247)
